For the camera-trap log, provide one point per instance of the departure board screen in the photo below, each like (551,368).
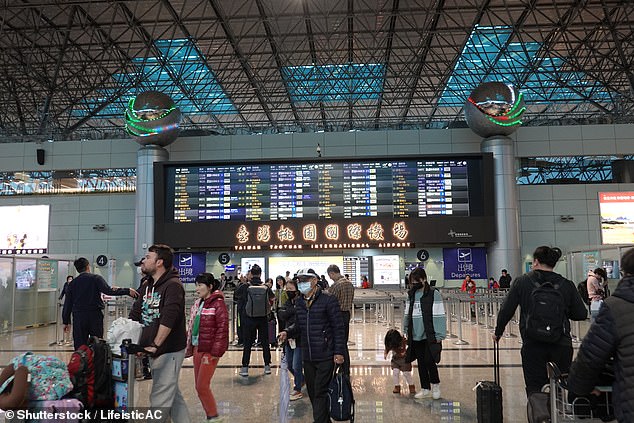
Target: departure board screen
(291,195)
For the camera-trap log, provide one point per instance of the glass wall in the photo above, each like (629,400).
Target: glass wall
(6,294)
(29,291)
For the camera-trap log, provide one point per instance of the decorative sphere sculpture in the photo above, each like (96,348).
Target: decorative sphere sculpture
(152,118)
(494,108)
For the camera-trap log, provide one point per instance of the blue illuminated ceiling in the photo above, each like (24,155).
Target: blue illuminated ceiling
(273,67)
(327,83)
(178,71)
(489,56)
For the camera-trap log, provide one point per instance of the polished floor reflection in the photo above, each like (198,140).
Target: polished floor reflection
(256,398)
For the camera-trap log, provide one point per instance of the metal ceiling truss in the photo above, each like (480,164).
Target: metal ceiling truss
(69,67)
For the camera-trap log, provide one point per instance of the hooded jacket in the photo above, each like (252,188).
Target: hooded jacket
(611,335)
(162,302)
(520,294)
(213,332)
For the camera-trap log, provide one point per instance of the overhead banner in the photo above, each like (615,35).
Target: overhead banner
(459,262)
(189,265)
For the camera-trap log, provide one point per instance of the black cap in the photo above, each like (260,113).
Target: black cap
(138,263)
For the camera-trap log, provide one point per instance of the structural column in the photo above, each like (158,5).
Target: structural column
(505,252)
(144,215)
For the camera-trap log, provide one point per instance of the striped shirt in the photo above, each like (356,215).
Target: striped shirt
(343,290)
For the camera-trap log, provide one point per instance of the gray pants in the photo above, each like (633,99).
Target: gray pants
(165,394)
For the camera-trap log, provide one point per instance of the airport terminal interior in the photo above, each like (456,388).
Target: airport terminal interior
(380,136)
(467,358)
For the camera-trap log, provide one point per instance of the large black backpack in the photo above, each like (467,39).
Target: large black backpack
(582,287)
(258,304)
(102,363)
(547,313)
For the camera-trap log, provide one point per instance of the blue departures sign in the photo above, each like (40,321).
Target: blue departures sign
(465,261)
(189,265)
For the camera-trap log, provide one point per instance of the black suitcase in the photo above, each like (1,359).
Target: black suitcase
(489,394)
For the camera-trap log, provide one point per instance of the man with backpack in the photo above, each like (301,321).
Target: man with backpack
(160,308)
(547,301)
(258,299)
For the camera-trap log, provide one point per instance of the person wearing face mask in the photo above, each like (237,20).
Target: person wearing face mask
(207,338)
(286,315)
(321,331)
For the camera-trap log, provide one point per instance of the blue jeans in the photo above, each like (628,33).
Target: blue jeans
(294,360)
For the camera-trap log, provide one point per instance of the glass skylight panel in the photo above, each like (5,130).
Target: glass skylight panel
(327,83)
(477,64)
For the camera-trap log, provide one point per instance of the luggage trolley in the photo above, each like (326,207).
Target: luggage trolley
(578,410)
(124,369)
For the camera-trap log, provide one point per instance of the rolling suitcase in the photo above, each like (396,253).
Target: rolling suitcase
(489,394)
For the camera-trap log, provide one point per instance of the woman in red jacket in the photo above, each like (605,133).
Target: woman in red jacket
(207,337)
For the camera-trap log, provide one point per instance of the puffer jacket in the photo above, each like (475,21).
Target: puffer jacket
(520,294)
(611,335)
(213,332)
(319,326)
(287,316)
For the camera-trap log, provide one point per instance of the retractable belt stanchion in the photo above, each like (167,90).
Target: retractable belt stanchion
(449,310)
(58,323)
(461,341)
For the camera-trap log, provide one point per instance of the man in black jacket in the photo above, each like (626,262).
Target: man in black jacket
(536,352)
(505,280)
(319,323)
(611,335)
(83,300)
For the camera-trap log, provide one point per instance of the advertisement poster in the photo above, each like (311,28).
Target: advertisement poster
(590,261)
(386,270)
(24,229)
(459,262)
(24,273)
(279,265)
(189,265)
(46,275)
(617,217)
(247,262)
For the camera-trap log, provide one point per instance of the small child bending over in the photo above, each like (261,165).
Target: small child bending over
(397,343)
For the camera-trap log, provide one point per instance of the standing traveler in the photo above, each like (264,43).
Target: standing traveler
(207,337)
(425,325)
(547,301)
(610,337)
(505,280)
(160,308)
(287,316)
(343,290)
(597,288)
(321,330)
(69,278)
(257,307)
(83,300)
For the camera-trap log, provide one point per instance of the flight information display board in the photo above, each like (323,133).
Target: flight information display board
(253,192)
(306,197)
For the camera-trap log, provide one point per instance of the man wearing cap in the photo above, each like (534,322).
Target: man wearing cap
(319,324)
(343,290)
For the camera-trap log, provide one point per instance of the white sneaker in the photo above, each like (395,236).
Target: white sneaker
(435,390)
(424,393)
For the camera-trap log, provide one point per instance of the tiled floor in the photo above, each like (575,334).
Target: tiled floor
(256,398)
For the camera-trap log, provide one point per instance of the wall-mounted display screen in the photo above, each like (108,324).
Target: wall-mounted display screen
(617,217)
(278,265)
(345,201)
(24,229)
(386,270)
